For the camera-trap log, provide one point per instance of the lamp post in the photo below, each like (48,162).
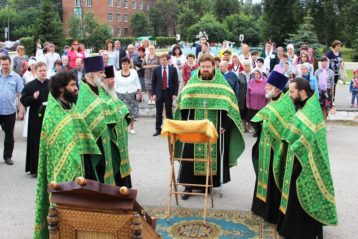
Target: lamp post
(8,22)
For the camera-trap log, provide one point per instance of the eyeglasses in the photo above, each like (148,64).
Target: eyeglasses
(75,44)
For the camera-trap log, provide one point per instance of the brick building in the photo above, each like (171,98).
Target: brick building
(116,13)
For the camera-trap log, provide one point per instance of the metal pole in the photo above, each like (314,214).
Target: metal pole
(8,21)
(221,156)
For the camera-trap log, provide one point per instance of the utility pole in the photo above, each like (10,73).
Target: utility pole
(8,21)
(83,32)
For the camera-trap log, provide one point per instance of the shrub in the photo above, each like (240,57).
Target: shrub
(29,44)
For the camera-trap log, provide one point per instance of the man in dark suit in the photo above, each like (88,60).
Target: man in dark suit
(79,71)
(120,54)
(165,88)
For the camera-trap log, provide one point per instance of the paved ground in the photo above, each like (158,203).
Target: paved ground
(150,163)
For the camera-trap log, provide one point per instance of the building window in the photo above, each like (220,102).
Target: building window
(110,3)
(134,5)
(118,31)
(141,5)
(119,3)
(118,17)
(77,3)
(112,30)
(126,17)
(110,16)
(89,3)
(148,7)
(126,31)
(125,3)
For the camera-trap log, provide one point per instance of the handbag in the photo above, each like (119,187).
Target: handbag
(342,74)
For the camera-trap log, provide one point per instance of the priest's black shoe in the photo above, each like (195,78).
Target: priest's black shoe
(156,133)
(186,196)
(8,161)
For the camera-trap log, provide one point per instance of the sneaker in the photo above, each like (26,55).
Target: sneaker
(132,131)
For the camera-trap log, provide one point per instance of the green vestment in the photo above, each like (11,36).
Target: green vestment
(306,136)
(275,117)
(115,115)
(64,139)
(93,109)
(208,98)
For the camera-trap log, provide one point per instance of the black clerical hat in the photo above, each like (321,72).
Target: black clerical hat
(93,64)
(109,71)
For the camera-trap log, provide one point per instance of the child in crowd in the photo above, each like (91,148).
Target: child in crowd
(353,88)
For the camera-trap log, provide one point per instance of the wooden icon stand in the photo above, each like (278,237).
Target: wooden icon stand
(191,131)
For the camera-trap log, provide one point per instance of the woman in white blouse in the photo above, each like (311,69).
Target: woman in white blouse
(128,89)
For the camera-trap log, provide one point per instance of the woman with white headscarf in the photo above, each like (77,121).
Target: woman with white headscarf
(292,58)
(306,73)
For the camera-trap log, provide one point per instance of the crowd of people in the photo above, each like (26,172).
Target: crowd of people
(80,109)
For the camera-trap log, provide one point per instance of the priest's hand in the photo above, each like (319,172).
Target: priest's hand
(222,130)
(154,98)
(174,97)
(36,94)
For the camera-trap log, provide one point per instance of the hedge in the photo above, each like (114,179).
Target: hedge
(162,42)
(29,44)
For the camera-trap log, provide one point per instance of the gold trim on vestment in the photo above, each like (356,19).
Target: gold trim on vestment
(59,127)
(209,85)
(316,174)
(309,123)
(92,106)
(39,227)
(212,96)
(63,159)
(96,122)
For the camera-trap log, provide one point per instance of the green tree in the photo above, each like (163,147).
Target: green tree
(200,7)
(167,11)
(74,28)
(156,21)
(95,33)
(187,17)
(48,25)
(279,19)
(224,8)
(215,30)
(244,24)
(140,24)
(305,35)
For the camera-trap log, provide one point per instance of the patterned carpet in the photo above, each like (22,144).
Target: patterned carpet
(188,224)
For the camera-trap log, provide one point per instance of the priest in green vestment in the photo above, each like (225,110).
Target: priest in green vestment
(65,139)
(207,95)
(112,166)
(308,200)
(268,153)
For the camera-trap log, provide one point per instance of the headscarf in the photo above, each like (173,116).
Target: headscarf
(323,77)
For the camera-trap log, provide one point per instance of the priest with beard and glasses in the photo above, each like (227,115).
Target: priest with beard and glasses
(207,95)
(268,153)
(112,166)
(65,139)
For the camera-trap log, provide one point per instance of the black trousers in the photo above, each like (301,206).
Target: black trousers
(167,100)
(7,123)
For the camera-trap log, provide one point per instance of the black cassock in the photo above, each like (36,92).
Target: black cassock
(186,171)
(36,113)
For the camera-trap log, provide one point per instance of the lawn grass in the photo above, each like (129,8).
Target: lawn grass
(347,54)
